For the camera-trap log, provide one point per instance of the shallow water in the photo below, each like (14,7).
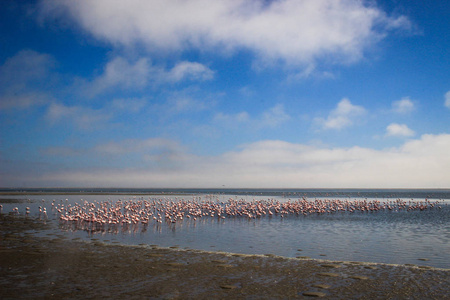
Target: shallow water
(395,237)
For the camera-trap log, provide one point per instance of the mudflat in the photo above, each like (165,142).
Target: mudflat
(56,267)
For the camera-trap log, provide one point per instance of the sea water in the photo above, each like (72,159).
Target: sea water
(394,237)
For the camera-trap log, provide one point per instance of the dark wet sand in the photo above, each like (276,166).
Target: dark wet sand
(55,267)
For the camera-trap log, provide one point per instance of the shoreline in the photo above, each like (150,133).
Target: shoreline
(90,193)
(56,267)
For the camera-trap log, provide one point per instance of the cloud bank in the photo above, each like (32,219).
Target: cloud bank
(422,162)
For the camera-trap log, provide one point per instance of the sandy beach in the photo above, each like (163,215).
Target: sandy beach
(55,267)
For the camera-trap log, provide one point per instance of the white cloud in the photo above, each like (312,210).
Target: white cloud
(447,99)
(342,116)
(423,162)
(297,32)
(404,105)
(395,129)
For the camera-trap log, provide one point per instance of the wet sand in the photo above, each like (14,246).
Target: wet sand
(55,267)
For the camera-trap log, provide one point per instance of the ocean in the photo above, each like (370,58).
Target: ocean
(396,226)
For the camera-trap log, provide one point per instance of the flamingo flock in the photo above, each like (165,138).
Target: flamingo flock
(134,211)
(140,211)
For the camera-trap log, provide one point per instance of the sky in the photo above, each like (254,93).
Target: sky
(236,94)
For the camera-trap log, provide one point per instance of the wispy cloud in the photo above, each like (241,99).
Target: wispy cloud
(26,67)
(447,99)
(297,32)
(24,79)
(24,100)
(270,118)
(232,119)
(85,117)
(133,105)
(342,116)
(82,117)
(146,146)
(403,106)
(183,104)
(190,70)
(152,153)
(121,74)
(63,151)
(274,116)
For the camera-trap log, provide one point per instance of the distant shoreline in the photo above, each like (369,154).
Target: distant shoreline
(390,193)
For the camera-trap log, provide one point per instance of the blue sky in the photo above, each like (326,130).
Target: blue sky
(242,93)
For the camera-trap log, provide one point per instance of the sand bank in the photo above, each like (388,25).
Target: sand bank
(55,267)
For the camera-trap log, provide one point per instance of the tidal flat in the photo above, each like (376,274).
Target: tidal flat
(53,266)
